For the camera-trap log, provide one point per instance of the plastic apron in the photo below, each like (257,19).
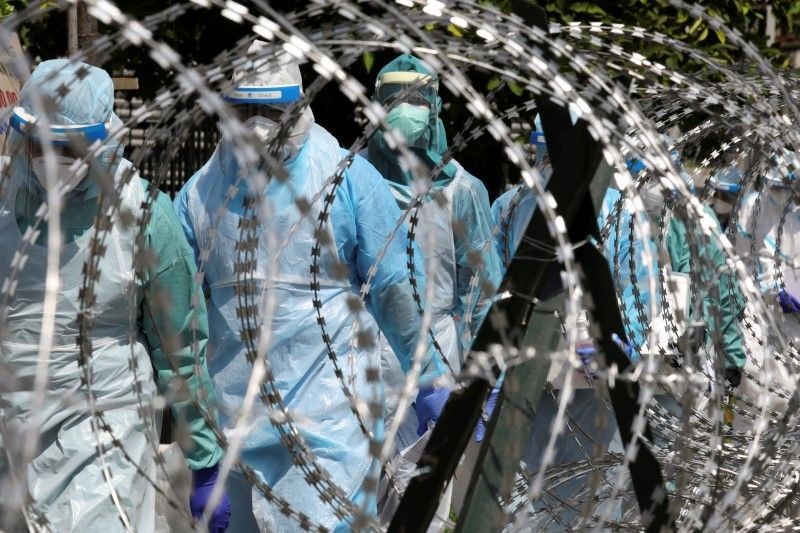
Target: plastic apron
(65,479)
(661,328)
(297,355)
(750,234)
(434,235)
(789,267)
(762,363)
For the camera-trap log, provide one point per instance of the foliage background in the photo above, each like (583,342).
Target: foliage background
(199,35)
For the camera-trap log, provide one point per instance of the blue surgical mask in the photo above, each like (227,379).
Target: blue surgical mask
(412,121)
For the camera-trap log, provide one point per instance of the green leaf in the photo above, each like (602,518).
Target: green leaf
(696,24)
(588,8)
(369,60)
(455,30)
(721,36)
(493,84)
(703,35)
(672,63)
(515,88)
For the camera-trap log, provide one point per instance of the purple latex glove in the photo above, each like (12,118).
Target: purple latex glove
(789,304)
(203,481)
(429,404)
(491,401)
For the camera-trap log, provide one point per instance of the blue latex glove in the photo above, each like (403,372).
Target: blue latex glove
(429,404)
(789,304)
(480,431)
(203,481)
(587,354)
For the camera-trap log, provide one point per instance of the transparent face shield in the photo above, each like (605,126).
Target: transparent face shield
(273,112)
(412,88)
(262,107)
(264,120)
(69,148)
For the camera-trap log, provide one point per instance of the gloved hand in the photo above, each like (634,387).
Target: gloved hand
(587,354)
(429,404)
(203,481)
(789,304)
(491,401)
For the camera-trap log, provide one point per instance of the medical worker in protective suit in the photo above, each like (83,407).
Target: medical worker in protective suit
(512,212)
(142,318)
(361,218)
(688,247)
(454,229)
(779,274)
(694,267)
(770,253)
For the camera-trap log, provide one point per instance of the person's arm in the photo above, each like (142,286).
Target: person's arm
(723,304)
(390,299)
(175,325)
(181,207)
(499,212)
(475,253)
(743,234)
(778,273)
(729,305)
(626,249)
(768,276)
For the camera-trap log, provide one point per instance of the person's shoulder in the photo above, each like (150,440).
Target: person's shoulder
(468,188)
(360,174)
(162,205)
(361,165)
(502,201)
(206,180)
(466,180)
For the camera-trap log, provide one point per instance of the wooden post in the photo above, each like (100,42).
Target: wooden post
(82,31)
(72,30)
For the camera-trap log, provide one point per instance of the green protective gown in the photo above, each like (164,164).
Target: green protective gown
(680,254)
(165,314)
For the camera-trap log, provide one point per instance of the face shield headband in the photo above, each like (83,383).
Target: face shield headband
(275,94)
(60,135)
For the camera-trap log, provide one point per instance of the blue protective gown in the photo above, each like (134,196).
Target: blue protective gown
(513,217)
(362,217)
(467,207)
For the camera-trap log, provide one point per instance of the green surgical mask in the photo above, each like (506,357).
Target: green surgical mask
(412,121)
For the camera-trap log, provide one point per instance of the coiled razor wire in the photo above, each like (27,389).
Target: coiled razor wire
(735,476)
